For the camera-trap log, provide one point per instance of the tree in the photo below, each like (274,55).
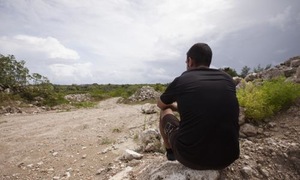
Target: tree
(39,79)
(14,74)
(258,69)
(245,71)
(229,71)
(268,66)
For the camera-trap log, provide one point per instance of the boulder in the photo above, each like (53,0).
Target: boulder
(237,80)
(295,63)
(271,74)
(297,76)
(289,72)
(173,170)
(248,130)
(130,155)
(149,108)
(251,77)
(150,140)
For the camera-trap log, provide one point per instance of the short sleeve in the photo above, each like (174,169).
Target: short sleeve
(170,94)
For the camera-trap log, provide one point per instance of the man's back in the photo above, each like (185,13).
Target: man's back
(208,108)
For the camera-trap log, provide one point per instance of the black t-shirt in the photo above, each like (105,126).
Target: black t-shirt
(209,130)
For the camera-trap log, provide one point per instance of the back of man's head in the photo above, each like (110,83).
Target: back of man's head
(201,54)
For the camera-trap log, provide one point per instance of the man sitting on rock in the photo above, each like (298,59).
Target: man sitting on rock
(206,136)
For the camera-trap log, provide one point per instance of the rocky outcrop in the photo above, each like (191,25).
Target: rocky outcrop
(173,170)
(78,97)
(145,93)
(289,69)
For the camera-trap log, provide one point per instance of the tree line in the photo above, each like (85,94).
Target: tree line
(14,74)
(245,70)
(260,101)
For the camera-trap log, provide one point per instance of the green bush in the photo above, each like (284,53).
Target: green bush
(44,94)
(264,100)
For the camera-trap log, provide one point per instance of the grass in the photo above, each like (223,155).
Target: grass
(105,141)
(267,98)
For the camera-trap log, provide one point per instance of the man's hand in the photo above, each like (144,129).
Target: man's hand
(164,106)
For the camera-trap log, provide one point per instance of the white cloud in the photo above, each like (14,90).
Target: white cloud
(122,41)
(79,72)
(49,45)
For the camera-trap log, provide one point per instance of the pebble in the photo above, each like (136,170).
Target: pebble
(247,172)
(84,156)
(30,165)
(55,178)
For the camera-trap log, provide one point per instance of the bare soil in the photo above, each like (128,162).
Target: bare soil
(77,143)
(86,144)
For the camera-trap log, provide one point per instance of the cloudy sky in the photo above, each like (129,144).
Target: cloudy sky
(143,41)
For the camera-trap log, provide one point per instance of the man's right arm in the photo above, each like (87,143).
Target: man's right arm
(164,106)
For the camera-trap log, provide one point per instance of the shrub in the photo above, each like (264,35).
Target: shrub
(264,100)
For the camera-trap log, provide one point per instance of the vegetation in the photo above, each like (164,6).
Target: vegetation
(14,74)
(229,71)
(264,100)
(260,99)
(259,68)
(245,71)
(37,89)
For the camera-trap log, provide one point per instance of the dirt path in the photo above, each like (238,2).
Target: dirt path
(86,144)
(78,143)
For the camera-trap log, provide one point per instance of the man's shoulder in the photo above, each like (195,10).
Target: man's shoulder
(204,72)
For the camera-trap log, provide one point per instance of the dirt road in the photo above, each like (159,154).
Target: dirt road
(78,143)
(86,144)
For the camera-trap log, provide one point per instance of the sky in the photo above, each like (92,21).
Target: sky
(142,41)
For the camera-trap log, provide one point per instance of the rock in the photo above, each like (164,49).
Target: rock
(40,163)
(297,75)
(149,108)
(56,178)
(251,77)
(78,97)
(130,155)
(173,170)
(295,63)
(247,172)
(67,175)
(287,69)
(150,140)
(264,172)
(289,72)
(249,130)
(237,80)
(242,116)
(271,74)
(99,171)
(145,93)
(123,175)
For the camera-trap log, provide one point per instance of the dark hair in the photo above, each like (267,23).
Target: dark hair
(200,53)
